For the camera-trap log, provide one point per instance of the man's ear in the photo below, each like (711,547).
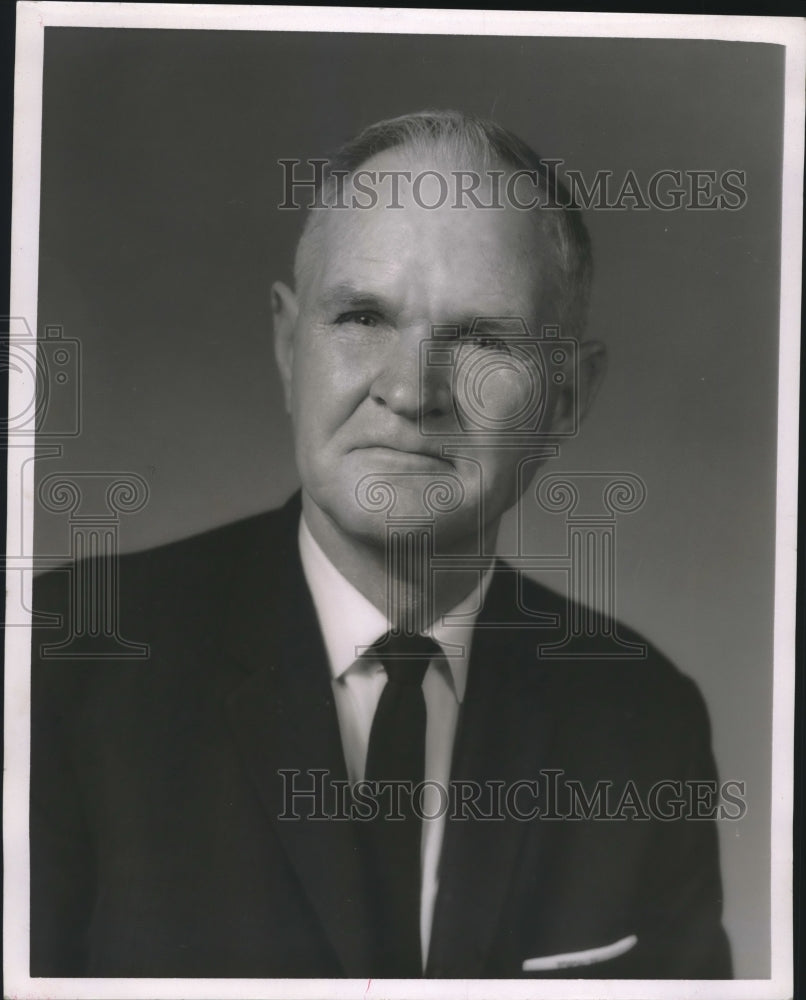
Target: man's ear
(573,400)
(285,309)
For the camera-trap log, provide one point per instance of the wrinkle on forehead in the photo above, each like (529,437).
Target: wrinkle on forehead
(507,239)
(437,260)
(431,267)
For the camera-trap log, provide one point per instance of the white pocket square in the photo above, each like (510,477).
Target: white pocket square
(588,957)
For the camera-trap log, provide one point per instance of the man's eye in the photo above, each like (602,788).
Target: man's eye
(490,343)
(359,318)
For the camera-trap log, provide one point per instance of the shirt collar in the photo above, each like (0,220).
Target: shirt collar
(350,622)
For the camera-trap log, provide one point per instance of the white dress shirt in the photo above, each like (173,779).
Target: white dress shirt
(350,623)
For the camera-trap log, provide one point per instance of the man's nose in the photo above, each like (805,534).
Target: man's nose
(407,384)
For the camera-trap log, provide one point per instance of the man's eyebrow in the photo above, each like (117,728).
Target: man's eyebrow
(344,293)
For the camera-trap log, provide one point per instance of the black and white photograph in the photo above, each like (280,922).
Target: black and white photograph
(402,503)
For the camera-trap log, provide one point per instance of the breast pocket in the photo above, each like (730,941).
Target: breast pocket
(576,959)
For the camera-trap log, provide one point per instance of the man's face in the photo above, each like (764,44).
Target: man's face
(364,409)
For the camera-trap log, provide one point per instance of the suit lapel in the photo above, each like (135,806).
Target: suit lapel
(284,719)
(504,734)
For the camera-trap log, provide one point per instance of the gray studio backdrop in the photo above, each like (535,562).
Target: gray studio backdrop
(160,237)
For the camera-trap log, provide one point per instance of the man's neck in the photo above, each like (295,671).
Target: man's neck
(400,589)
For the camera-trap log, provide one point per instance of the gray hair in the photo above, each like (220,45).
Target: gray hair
(463,136)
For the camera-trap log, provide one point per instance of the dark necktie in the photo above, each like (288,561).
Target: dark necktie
(397,753)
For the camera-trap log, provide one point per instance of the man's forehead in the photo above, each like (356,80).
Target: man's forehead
(416,217)
(451,264)
(430,177)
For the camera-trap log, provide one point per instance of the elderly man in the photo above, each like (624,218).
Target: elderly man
(352,751)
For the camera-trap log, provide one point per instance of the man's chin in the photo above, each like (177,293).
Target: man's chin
(372,516)
(423,489)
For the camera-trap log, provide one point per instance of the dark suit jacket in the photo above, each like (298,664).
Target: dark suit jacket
(156,847)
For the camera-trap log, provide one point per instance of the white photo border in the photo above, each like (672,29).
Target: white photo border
(32,18)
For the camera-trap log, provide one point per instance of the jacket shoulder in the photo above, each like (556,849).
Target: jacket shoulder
(266,539)
(621,672)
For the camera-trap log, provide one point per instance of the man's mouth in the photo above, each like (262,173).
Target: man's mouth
(422,457)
